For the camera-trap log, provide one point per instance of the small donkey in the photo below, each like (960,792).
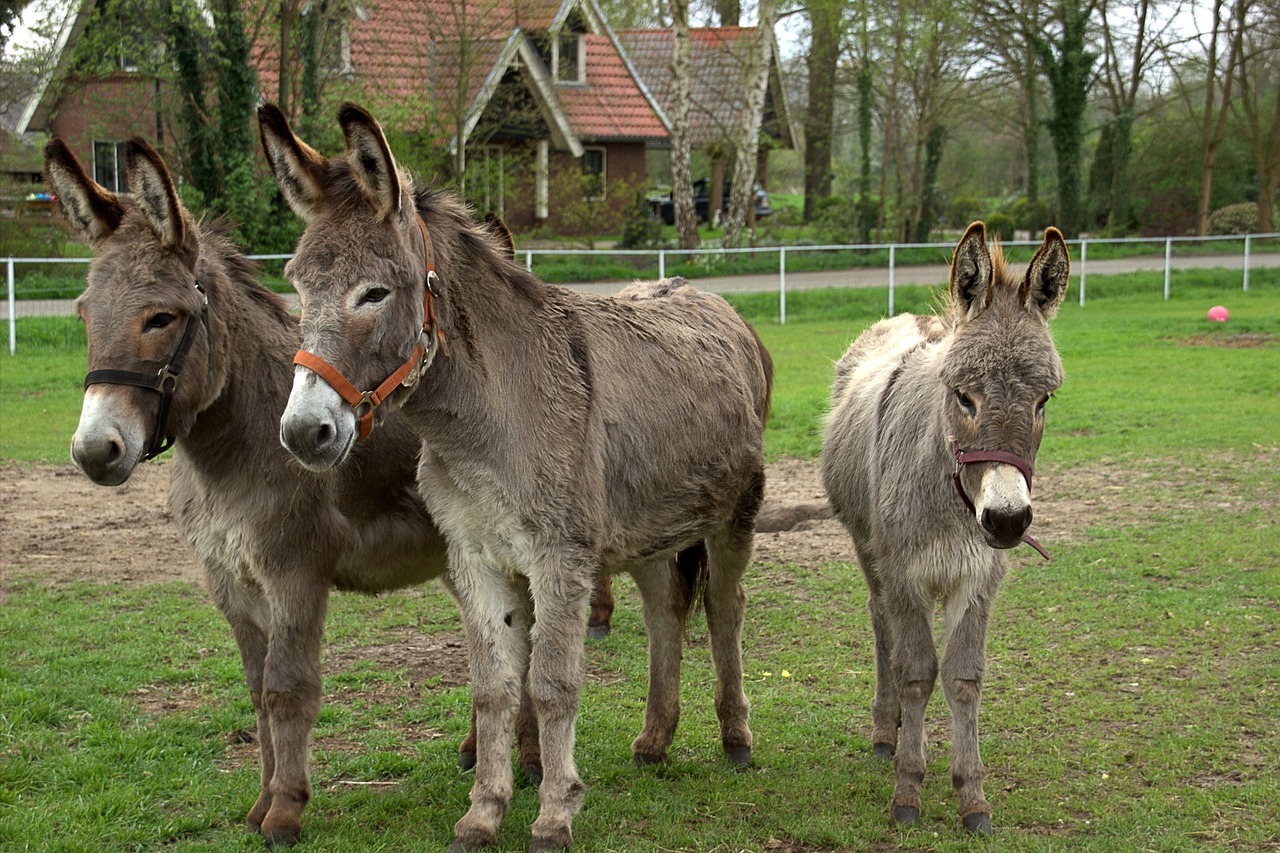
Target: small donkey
(927,460)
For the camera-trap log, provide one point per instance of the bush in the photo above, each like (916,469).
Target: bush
(1028,215)
(834,220)
(963,210)
(1234,219)
(640,229)
(1000,225)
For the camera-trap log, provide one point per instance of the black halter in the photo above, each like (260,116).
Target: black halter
(165,382)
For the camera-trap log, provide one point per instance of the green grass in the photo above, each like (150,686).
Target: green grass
(1131,703)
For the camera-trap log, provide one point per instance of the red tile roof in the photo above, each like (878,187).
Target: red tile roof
(610,105)
(410,50)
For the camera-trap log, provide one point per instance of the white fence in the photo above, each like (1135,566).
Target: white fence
(891,274)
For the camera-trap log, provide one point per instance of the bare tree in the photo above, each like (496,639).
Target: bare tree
(1258,73)
(747,140)
(681,167)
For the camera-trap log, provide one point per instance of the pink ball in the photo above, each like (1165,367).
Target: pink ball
(1218,314)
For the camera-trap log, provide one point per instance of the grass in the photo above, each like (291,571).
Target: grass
(1131,701)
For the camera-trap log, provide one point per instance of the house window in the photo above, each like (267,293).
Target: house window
(569,58)
(336,47)
(108,165)
(593,173)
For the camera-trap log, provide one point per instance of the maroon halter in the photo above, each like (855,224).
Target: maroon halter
(405,374)
(964,457)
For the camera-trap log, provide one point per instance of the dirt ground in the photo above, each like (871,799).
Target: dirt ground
(59,525)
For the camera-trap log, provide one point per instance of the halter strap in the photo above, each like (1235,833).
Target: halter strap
(365,402)
(964,457)
(164,382)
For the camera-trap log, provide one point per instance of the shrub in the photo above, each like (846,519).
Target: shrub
(640,229)
(963,210)
(834,219)
(1029,215)
(1234,219)
(1000,225)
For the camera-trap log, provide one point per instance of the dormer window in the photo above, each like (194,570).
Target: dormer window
(569,59)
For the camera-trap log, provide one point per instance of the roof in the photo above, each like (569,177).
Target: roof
(717,88)
(610,105)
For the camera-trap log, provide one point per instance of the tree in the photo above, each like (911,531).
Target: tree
(1258,73)
(824,55)
(747,141)
(681,166)
(1068,63)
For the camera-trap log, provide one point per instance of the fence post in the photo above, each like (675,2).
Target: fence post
(13,315)
(662,263)
(891,248)
(782,286)
(1168,264)
(528,260)
(1084,259)
(1246,262)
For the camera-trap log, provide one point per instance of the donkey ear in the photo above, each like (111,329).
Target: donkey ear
(1046,283)
(494,225)
(299,169)
(370,159)
(153,190)
(93,211)
(971,272)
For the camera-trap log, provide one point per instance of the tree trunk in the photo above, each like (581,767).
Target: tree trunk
(1213,123)
(1069,65)
(824,55)
(729,12)
(681,168)
(742,196)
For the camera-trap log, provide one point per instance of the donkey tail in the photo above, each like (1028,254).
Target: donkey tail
(692,571)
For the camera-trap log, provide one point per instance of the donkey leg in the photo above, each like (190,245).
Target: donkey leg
(665,604)
(528,741)
(963,666)
(291,695)
(599,622)
(886,712)
(561,593)
(915,668)
(725,603)
(496,615)
(246,613)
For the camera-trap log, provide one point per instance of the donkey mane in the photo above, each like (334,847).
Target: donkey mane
(216,234)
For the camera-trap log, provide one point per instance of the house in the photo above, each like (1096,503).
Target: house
(539,103)
(717,57)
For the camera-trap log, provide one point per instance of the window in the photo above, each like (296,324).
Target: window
(569,56)
(108,165)
(593,173)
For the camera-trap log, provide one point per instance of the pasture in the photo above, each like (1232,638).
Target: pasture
(1133,683)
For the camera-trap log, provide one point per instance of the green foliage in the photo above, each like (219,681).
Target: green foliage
(1000,225)
(1030,215)
(1234,219)
(640,230)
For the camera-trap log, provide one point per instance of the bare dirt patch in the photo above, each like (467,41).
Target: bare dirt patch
(1243,340)
(59,526)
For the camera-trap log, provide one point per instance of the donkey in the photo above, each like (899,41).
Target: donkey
(927,460)
(563,434)
(187,348)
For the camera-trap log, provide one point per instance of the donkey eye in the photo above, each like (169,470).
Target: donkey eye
(1043,402)
(966,402)
(159,321)
(374,295)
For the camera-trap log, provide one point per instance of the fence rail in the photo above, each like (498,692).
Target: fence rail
(891,273)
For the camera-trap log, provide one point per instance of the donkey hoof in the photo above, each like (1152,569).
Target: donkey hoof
(548,844)
(467,760)
(883,751)
(598,632)
(642,760)
(979,823)
(906,815)
(468,845)
(739,755)
(282,837)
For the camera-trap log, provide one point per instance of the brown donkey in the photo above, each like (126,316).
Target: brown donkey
(927,459)
(563,434)
(186,347)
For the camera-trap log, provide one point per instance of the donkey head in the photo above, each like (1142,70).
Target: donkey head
(360,269)
(142,307)
(999,372)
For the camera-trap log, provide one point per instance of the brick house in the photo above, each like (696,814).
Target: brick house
(543,97)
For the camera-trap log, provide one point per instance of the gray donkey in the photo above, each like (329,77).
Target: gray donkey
(927,460)
(187,348)
(563,434)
